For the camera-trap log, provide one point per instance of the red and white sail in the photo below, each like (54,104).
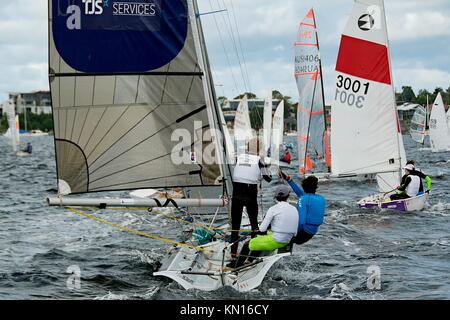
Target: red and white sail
(311,126)
(366,135)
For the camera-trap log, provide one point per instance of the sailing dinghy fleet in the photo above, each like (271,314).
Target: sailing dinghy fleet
(122,86)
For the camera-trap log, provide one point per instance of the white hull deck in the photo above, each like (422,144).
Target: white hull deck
(383,201)
(205,270)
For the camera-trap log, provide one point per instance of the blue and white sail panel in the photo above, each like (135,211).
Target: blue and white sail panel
(124,76)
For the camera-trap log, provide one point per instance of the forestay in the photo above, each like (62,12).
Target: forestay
(366,135)
(121,86)
(311,107)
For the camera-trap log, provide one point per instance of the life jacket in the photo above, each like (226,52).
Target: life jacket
(311,211)
(247,169)
(413,187)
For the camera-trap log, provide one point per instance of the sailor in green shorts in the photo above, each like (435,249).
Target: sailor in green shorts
(283,220)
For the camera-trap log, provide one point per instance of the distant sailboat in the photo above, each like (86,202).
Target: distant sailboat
(366,135)
(267,125)
(418,125)
(439,129)
(242,129)
(13,125)
(311,118)
(133,102)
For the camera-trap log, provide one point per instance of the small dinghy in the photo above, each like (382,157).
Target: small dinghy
(383,201)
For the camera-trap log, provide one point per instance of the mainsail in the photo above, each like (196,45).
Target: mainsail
(366,135)
(132,97)
(229,144)
(13,125)
(277,130)
(439,130)
(242,129)
(418,125)
(311,124)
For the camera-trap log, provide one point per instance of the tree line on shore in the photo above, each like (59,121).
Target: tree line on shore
(44,122)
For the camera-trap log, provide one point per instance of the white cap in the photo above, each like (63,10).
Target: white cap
(409,167)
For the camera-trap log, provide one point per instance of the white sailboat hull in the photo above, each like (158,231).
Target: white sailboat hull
(404,205)
(203,270)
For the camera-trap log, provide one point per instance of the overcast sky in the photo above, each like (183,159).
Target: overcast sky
(419,35)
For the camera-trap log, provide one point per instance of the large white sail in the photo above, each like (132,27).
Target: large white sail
(267,124)
(13,125)
(311,124)
(366,135)
(132,97)
(418,124)
(439,130)
(228,139)
(242,129)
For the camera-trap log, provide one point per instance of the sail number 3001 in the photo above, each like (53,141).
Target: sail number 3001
(351,95)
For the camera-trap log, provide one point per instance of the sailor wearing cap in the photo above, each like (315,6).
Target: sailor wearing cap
(410,187)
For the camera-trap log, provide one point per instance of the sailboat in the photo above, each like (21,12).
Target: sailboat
(12,132)
(242,129)
(134,107)
(418,125)
(439,129)
(311,118)
(366,130)
(267,126)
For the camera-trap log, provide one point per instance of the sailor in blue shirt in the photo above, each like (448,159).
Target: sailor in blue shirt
(310,207)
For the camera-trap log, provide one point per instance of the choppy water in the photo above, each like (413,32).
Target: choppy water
(38,243)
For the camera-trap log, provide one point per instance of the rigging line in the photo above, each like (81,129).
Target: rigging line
(128,131)
(309,124)
(231,36)
(133,231)
(224,50)
(240,45)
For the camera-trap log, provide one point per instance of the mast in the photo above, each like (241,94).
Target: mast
(393,94)
(211,95)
